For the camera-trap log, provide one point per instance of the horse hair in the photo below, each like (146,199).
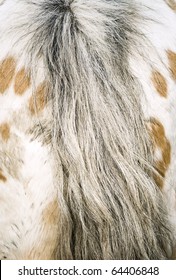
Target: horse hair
(110,206)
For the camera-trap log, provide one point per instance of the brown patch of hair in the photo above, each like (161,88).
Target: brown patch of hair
(7,71)
(50,214)
(37,102)
(46,248)
(159,83)
(159,140)
(2,177)
(22,82)
(171,4)
(5,131)
(172,63)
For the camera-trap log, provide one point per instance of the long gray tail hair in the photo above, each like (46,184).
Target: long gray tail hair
(110,207)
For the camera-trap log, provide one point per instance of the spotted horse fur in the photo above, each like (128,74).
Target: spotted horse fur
(87,129)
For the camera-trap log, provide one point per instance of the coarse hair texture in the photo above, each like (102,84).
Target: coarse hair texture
(110,207)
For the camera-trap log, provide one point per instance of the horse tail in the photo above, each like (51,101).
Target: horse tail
(110,206)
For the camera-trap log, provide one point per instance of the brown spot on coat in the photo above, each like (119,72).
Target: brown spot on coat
(5,131)
(46,247)
(2,177)
(50,214)
(159,83)
(7,71)
(37,102)
(171,4)
(22,82)
(172,63)
(160,141)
